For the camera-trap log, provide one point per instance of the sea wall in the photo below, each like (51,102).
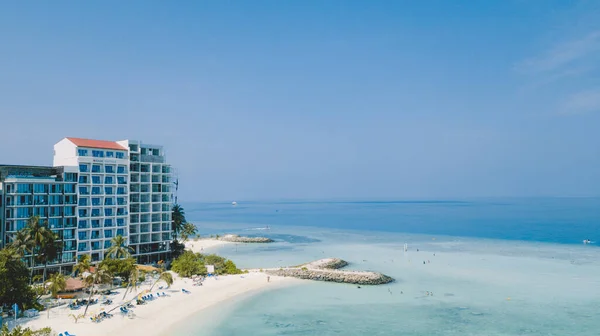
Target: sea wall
(241,239)
(328,270)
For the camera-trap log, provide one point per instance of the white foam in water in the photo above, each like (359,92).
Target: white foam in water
(480,287)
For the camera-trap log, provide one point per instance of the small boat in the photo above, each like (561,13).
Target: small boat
(234,203)
(587,241)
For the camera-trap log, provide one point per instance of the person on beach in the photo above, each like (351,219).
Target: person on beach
(268,278)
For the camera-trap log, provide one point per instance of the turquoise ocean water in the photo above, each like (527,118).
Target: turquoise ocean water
(495,267)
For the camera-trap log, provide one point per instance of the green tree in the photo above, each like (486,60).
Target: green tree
(188,230)
(118,248)
(178,218)
(37,231)
(134,276)
(164,276)
(58,283)
(14,280)
(231,268)
(49,249)
(83,264)
(119,267)
(188,264)
(22,242)
(100,276)
(20,331)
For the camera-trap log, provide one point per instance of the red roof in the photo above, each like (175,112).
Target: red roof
(79,142)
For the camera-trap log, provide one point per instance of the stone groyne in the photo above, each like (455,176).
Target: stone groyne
(240,239)
(328,270)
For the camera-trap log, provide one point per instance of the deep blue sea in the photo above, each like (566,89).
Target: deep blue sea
(497,266)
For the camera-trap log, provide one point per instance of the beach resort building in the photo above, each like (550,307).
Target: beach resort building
(124,189)
(102,191)
(47,192)
(94,191)
(150,201)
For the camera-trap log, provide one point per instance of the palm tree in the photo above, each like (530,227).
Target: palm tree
(134,276)
(83,264)
(49,249)
(178,218)
(37,232)
(100,276)
(118,249)
(22,242)
(166,277)
(58,283)
(187,231)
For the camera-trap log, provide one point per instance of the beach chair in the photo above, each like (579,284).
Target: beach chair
(61,334)
(164,294)
(67,334)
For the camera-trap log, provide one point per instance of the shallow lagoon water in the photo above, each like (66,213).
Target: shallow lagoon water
(480,286)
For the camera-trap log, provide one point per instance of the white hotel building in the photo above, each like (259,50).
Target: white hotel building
(124,188)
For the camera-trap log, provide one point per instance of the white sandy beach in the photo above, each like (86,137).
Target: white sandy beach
(203,244)
(159,315)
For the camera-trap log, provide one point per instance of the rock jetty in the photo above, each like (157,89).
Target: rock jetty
(241,239)
(328,270)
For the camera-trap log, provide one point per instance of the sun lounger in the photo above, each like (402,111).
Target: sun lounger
(67,334)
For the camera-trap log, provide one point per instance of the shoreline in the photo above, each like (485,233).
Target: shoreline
(199,245)
(158,316)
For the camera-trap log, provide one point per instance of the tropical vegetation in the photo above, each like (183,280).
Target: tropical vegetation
(189,264)
(20,331)
(118,248)
(14,280)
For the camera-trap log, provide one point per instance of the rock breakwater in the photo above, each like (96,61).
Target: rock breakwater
(241,239)
(328,270)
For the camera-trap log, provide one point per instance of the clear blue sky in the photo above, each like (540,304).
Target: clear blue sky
(316,99)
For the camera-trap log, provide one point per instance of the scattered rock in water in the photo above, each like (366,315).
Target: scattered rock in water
(241,239)
(328,270)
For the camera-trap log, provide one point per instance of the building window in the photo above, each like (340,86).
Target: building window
(108,234)
(96,169)
(120,222)
(84,179)
(40,188)
(120,155)
(108,222)
(121,200)
(108,212)
(109,201)
(109,179)
(108,190)
(96,179)
(121,170)
(95,212)
(109,169)
(121,191)
(83,201)
(83,224)
(70,177)
(95,223)
(82,152)
(110,154)
(98,153)
(69,188)
(84,191)
(120,232)
(95,201)
(96,190)
(83,168)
